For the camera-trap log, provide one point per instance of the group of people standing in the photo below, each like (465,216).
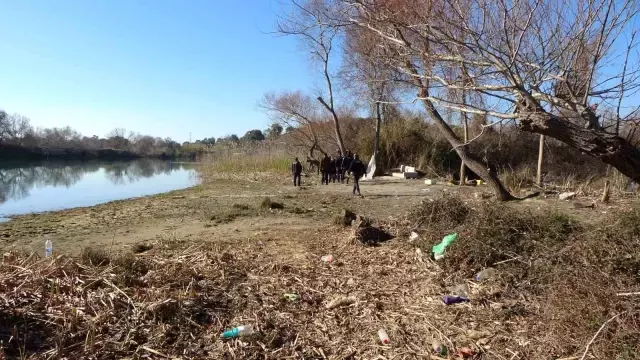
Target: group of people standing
(335,169)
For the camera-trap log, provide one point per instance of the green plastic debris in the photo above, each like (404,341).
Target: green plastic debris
(438,250)
(291,297)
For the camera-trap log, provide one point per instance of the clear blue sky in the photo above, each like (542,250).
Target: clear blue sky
(158,67)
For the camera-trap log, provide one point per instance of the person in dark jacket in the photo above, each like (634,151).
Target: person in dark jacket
(357,169)
(325,167)
(346,164)
(296,170)
(338,167)
(332,171)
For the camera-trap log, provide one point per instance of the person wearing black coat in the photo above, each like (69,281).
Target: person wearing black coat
(346,164)
(325,167)
(338,168)
(296,171)
(357,170)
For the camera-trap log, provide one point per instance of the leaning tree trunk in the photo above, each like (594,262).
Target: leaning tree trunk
(467,157)
(336,122)
(606,147)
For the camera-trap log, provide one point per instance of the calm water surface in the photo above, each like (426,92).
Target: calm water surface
(46,186)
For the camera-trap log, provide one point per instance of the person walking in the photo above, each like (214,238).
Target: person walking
(296,170)
(357,169)
(325,167)
(338,167)
(346,164)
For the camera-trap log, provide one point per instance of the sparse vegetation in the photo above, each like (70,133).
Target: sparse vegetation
(269,204)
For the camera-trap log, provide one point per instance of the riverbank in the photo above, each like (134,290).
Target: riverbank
(185,265)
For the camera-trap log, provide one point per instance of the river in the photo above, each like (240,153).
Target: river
(54,185)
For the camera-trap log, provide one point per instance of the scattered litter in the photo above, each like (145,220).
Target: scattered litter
(341,301)
(384,338)
(351,282)
(48,248)
(465,352)
(327,259)
(291,297)
(438,250)
(430,182)
(452,299)
(414,236)
(244,330)
(438,348)
(567,195)
(486,274)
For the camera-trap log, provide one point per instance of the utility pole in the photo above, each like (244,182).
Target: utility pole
(189,137)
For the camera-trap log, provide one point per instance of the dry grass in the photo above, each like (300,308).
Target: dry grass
(558,277)
(556,285)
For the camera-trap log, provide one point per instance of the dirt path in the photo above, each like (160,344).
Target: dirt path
(187,214)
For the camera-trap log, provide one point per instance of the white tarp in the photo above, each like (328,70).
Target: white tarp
(371,168)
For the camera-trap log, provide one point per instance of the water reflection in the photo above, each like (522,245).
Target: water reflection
(18,180)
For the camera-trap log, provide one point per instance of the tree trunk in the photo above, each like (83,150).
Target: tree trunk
(606,147)
(376,146)
(468,158)
(540,157)
(465,130)
(336,123)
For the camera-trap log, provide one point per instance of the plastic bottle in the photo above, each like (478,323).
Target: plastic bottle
(244,330)
(450,300)
(384,338)
(48,248)
(438,348)
(486,274)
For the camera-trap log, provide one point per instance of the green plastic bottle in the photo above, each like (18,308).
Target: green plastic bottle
(438,250)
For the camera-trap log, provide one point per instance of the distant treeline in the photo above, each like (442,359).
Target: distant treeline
(20,140)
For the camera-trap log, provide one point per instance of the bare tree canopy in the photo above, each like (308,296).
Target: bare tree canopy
(545,63)
(299,114)
(310,21)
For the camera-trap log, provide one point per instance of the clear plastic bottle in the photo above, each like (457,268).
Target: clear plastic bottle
(384,338)
(486,274)
(48,248)
(240,331)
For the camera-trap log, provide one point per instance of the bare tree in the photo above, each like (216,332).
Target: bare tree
(368,79)
(310,21)
(5,126)
(19,127)
(294,110)
(519,54)
(117,132)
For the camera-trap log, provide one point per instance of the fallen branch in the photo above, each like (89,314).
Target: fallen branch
(629,293)
(155,352)
(586,350)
